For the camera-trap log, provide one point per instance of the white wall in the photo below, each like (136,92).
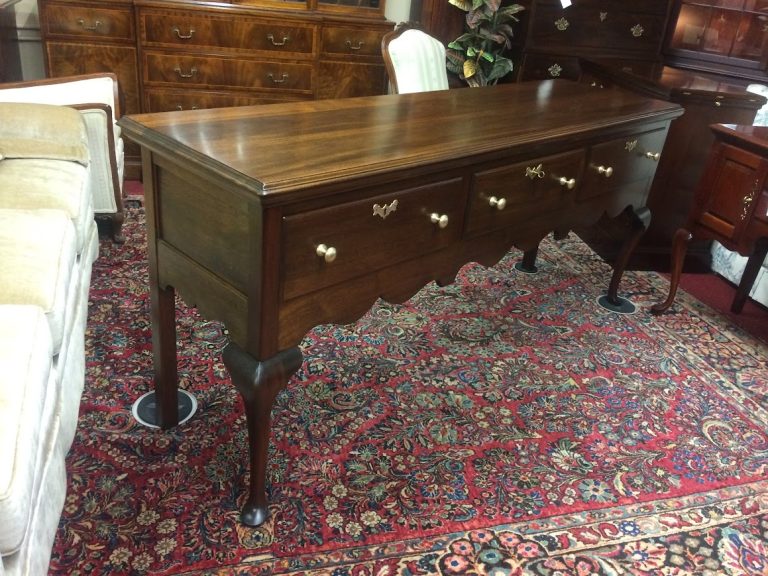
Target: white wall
(30,46)
(398,10)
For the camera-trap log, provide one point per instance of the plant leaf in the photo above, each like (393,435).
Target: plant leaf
(470,68)
(463,4)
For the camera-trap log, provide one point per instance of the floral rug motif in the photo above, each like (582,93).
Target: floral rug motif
(504,424)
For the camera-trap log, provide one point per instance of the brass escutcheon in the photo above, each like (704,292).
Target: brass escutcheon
(536,172)
(385,210)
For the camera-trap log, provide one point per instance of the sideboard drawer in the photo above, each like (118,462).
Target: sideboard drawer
(201,30)
(370,234)
(161,100)
(207,71)
(68,19)
(351,41)
(527,190)
(621,161)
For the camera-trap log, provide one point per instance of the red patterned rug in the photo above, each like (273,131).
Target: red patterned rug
(504,424)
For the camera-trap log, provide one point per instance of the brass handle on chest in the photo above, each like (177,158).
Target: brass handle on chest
(498,203)
(282,79)
(283,42)
(440,219)
(327,253)
(569,183)
(90,27)
(176,30)
(653,156)
(358,46)
(190,74)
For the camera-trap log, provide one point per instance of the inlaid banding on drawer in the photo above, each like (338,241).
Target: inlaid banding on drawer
(68,20)
(225,33)
(352,41)
(318,251)
(207,71)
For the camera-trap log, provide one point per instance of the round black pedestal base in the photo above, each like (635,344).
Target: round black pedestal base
(524,269)
(144,409)
(624,306)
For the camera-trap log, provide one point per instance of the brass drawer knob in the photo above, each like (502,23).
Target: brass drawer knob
(327,253)
(653,156)
(606,171)
(356,46)
(498,203)
(440,219)
(569,183)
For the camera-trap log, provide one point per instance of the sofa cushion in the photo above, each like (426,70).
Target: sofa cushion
(38,183)
(43,131)
(37,256)
(25,382)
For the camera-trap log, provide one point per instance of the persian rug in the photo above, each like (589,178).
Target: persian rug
(504,424)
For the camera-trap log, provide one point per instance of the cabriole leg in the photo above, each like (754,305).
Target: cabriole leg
(258,383)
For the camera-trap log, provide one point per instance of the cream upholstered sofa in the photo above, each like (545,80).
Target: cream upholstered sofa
(48,242)
(96,96)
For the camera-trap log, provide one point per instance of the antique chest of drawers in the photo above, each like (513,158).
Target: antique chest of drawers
(556,36)
(187,54)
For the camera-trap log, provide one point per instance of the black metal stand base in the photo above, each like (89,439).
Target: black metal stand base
(521,267)
(623,306)
(145,408)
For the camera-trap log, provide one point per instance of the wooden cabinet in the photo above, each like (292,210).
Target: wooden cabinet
(94,36)
(10,61)
(726,36)
(731,205)
(180,55)
(707,100)
(557,36)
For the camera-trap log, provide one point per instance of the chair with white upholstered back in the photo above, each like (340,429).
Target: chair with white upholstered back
(415,61)
(96,97)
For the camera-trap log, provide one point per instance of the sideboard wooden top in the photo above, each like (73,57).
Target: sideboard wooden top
(279,148)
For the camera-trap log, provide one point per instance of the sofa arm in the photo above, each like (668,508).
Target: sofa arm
(107,157)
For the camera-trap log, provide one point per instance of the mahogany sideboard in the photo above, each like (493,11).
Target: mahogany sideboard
(274,219)
(707,100)
(731,206)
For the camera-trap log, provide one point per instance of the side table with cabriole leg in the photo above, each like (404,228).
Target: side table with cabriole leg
(731,205)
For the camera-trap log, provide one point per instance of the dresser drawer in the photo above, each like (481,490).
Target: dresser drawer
(212,72)
(527,190)
(351,41)
(597,27)
(621,161)
(226,33)
(649,6)
(159,100)
(67,19)
(369,235)
(550,66)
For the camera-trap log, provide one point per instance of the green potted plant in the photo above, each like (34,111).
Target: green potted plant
(477,56)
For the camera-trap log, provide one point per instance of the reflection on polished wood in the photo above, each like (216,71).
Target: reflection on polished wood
(241,201)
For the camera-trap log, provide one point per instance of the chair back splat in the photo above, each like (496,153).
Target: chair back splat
(415,61)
